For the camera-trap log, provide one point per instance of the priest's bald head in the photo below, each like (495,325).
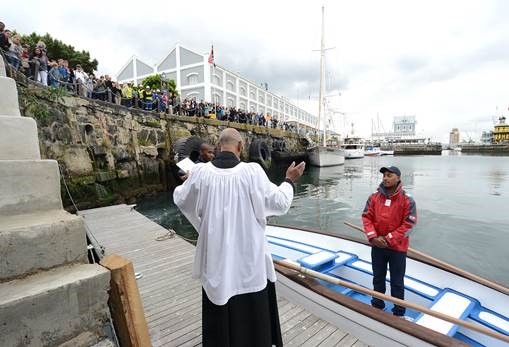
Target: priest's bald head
(231,141)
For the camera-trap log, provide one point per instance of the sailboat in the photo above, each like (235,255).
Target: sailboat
(319,153)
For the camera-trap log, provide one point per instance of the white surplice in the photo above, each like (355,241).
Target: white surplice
(228,208)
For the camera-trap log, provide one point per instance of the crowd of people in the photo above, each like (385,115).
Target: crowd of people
(56,72)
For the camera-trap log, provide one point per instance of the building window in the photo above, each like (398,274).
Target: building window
(192,78)
(230,85)
(216,79)
(192,95)
(230,102)
(217,98)
(242,91)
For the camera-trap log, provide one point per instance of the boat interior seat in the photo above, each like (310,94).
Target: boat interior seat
(319,261)
(344,258)
(451,303)
(491,319)
(416,286)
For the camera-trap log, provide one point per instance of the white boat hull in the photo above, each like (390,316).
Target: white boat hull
(321,156)
(387,152)
(374,152)
(425,284)
(354,153)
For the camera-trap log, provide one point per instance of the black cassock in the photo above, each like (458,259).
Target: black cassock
(246,320)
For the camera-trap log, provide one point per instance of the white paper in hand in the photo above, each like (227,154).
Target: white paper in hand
(186,164)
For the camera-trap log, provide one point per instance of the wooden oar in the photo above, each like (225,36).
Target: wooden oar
(450,267)
(396,301)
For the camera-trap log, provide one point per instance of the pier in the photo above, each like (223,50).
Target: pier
(171,298)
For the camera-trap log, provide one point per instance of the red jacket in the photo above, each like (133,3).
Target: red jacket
(391,216)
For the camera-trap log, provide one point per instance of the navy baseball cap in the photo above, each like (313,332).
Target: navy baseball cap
(392,169)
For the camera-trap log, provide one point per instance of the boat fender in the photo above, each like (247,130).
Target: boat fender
(188,147)
(259,152)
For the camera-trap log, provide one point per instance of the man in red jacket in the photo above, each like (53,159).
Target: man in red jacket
(388,218)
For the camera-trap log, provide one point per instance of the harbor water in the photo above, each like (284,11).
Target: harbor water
(462,204)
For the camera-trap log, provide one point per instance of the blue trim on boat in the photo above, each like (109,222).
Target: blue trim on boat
(467,340)
(347,262)
(474,315)
(430,297)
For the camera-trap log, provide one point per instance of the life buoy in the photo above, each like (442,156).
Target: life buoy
(259,152)
(188,147)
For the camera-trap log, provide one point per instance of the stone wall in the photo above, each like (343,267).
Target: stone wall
(110,154)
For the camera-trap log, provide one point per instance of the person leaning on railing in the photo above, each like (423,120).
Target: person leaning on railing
(13,49)
(100,89)
(127,94)
(54,75)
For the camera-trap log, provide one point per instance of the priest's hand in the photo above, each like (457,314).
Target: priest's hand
(294,172)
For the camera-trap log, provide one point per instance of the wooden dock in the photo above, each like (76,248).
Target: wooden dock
(171,298)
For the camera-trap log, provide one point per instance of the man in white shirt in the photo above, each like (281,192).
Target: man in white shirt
(81,79)
(227,201)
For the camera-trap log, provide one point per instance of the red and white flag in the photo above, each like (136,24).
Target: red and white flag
(211,56)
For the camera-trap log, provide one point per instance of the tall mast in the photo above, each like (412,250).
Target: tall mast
(322,86)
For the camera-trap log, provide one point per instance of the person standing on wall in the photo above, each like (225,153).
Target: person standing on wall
(228,201)
(388,218)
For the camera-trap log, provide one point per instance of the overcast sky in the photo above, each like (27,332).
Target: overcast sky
(446,62)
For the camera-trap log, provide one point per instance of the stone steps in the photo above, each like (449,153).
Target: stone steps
(40,241)
(29,186)
(49,296)
(54,306)
(18,139)
(9,105)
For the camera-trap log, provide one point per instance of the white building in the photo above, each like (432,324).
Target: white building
(403,128)
(195,77)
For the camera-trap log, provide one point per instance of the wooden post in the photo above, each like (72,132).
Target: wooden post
(125,303)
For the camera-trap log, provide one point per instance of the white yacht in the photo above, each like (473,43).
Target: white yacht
(354,150)
(321,154)
(353,146)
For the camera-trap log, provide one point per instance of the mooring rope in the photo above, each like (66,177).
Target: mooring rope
(171,234)
(89,232)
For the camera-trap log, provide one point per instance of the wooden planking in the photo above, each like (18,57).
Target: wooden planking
(171,298)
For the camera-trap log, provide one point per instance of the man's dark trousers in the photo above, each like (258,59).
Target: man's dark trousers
(380,257)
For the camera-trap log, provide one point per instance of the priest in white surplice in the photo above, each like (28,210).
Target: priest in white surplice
(227,201)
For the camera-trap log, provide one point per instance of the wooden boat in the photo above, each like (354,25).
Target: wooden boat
(429,283)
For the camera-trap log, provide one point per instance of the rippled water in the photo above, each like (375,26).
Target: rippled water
(462,203)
